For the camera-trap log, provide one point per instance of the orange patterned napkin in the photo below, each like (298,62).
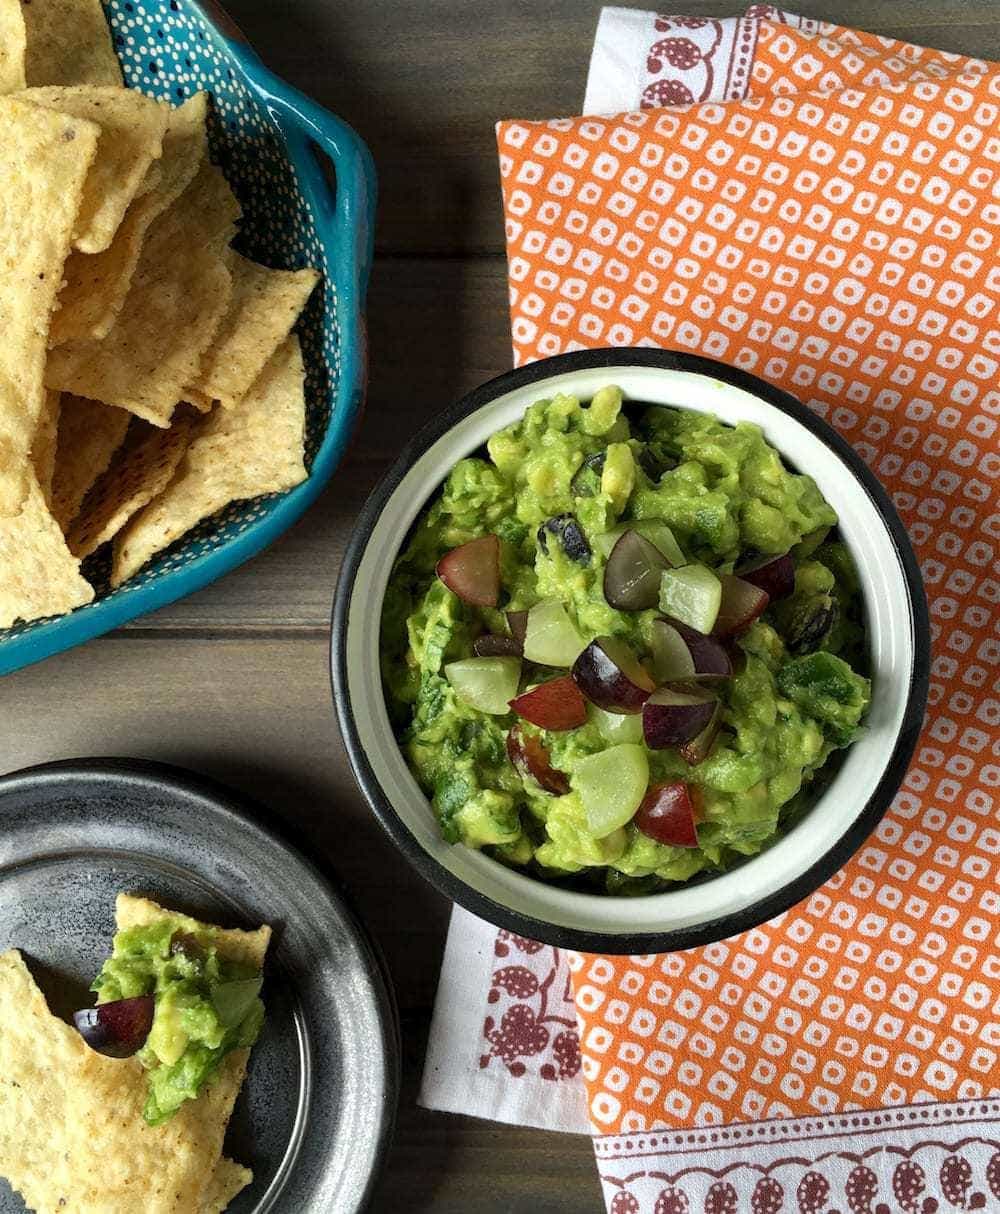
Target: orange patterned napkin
(835,232)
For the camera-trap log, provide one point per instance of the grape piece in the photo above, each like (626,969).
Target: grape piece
(671,718)
(472,571)
(632,573)
(680,653)
(741,604)
(557,704)
(118,1028)
(611,784)
(775,575)
(551,638)
(488,684)
(531,761)
(612,677)
(691,594)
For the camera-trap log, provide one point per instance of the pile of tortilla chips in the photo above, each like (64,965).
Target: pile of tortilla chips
(72,1134)
(148,373)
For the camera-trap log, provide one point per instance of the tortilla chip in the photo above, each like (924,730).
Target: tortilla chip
(44,160)
(199,400)
(43,447)
(38,574)
(228,1179)
(264,306)
(236,453)
(177,298)
(72,1135)
(96,285)
(155,173)
(140,471)
(69,42)
(132,130)
(247,948)
(11,46)
(90,432)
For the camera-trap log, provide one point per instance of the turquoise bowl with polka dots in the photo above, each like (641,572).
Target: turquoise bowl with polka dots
(271,142)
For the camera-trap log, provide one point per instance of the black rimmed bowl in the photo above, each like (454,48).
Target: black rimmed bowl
(847,807)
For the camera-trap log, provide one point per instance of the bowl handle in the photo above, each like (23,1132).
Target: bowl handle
(347,208)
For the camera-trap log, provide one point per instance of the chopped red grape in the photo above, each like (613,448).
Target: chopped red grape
(612,677)
(775,575)
(632,573)
(671,718)
(472,571)
(118,1028)
(741,604)
(666,815)
(680,652)
(531,761)
(558,704)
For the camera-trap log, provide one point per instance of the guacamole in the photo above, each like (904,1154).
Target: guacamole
(617,647)
(203,1006)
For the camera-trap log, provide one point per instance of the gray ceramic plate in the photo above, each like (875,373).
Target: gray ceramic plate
(317,1109)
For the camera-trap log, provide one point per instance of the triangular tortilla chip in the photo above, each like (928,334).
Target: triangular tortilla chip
(69,42)
(95,285)
(12,40)
(44,160)
(90,432)
(178,296)
(132,130)
(264,306)
(140,471)
(72,1135)
(43,446)
(38,575)
(255,448)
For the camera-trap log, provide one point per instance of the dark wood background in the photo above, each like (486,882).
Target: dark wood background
(233,681)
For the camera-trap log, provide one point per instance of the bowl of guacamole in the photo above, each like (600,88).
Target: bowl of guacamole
(629,651)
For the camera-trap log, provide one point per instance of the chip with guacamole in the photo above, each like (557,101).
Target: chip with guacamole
(127,1111)
(196,989)
(622,643)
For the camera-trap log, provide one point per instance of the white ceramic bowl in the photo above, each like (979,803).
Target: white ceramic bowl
(848,807)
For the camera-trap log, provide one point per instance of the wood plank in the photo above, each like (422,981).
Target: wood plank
(456,1165)
(424,81)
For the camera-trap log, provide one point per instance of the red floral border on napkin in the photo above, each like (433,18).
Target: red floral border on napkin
(699,59)
(921,1159)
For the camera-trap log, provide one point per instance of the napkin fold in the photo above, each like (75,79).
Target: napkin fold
(820,206)
(503,1042)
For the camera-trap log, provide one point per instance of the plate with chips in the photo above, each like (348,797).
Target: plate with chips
(90,846)
(184,354)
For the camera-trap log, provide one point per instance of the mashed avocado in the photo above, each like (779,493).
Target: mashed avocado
(554,493)
(203,1006)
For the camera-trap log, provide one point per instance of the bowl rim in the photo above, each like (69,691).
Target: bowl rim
(801,884)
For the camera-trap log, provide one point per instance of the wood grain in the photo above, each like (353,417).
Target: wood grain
(233,681)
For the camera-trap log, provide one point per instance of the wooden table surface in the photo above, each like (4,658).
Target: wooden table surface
(233,681)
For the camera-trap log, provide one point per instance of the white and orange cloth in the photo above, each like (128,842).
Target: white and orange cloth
(821,207)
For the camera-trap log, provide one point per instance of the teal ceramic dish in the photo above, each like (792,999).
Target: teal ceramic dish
(266,135)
